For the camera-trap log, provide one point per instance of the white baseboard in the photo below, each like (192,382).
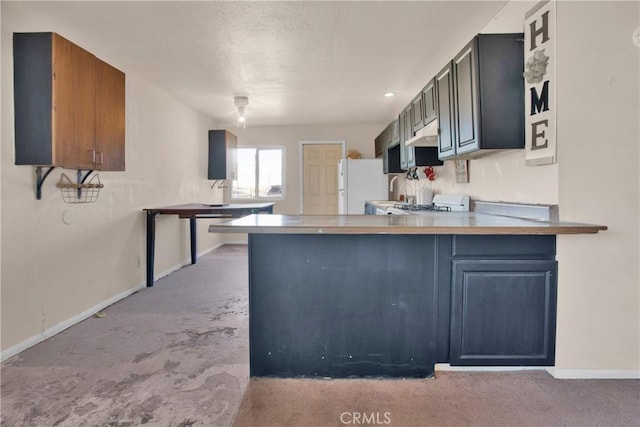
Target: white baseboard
(552,370)
(235,242)
(617,374)
(56,329)
(445,367)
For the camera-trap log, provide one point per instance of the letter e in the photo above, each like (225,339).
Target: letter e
(535,135)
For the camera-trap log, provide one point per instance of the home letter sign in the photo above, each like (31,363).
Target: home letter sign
(540,84)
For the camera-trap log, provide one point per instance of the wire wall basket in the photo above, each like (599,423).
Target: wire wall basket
(81,192)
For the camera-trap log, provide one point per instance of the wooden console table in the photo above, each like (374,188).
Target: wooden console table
(193,211)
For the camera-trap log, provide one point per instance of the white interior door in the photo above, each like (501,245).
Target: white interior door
(320,178)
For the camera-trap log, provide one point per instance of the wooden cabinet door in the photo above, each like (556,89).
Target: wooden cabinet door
(232,155)
(503,312)
(110,117)
(465,74)
(74,106)
(445,111)
(429,102)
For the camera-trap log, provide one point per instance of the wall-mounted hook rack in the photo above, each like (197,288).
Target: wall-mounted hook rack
(40,180)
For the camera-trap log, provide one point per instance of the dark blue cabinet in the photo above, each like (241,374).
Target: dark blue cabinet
(480,97)
(503,312)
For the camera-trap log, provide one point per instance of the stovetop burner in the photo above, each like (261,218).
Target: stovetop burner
(420,208)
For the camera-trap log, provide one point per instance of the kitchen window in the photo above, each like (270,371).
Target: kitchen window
(260,174)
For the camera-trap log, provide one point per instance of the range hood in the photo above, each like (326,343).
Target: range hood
(425,137)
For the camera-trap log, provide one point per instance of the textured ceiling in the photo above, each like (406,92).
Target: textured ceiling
(298,62)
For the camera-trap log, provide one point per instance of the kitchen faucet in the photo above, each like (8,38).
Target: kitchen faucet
(391,182)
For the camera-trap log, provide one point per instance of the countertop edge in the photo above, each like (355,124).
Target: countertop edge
(544,229)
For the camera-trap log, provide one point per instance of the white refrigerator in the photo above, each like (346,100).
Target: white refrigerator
(360,180)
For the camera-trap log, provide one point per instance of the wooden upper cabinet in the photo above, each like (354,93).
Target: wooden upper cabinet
(74,105)
(69,105)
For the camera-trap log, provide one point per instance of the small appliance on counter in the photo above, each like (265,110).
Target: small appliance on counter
(441,203)
(424,196)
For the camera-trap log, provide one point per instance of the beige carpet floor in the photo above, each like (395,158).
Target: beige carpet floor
(523,398)
(176,355)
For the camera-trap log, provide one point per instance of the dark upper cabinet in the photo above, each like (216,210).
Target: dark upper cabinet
(379,146)
(466,108)
(429,111)
(223,163)
(407,154)
(389,141)
(391,162)
(480,97)
(417,113)
(395,131)
(444,106)
(403,120)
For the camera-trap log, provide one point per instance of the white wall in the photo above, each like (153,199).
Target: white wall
(598,150)
(500,176)
(596,180)
(53,272)
(357,137)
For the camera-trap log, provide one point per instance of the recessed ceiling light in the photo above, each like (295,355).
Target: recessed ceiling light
(389,94)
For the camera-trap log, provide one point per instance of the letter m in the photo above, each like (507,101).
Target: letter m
(367,420)
(540,103)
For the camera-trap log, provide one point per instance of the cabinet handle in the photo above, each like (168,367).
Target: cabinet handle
(93,156)
(101,157)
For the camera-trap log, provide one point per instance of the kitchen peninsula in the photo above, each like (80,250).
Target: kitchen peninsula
(357,295)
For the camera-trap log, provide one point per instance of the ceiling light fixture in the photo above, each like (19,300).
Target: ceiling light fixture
(389,94)
(241,102)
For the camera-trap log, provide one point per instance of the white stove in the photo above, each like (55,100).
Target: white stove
(441,203)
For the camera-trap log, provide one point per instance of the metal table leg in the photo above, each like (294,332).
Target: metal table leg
(192,233)
(151,240)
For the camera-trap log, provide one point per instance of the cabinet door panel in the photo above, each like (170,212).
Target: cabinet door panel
(110,117)
(466,100)
(395,132)
(378,146)
(429,102)
(404,119)
(503,312)
(444,105)
(417,118)
(74,106)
